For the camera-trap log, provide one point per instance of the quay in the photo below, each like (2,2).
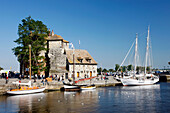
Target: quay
(164,77)
(55,85)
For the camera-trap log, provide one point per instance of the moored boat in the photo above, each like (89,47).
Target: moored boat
(141,78)
(25,88)
(88,87)
(71,87)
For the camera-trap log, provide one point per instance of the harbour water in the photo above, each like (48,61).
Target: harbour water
(152,98)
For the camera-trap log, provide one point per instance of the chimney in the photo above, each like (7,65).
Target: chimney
(52,33)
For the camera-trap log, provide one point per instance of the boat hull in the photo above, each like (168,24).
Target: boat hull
(70,87)
(135,82)
(88,88)
(22,92)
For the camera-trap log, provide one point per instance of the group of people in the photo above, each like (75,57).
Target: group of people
(57,77)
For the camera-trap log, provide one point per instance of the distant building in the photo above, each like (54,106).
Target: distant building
(60,59)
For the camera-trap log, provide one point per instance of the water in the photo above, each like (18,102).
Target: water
(153,98)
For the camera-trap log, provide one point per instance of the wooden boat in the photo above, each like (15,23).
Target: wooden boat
(25,88)
(71,87)
(88,87)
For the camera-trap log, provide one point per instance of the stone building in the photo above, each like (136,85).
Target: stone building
(60,59)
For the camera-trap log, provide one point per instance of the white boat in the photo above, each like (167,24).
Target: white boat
(142,78)
(88,87)
(22,92)
(25,88)
(140,81)
(71,87)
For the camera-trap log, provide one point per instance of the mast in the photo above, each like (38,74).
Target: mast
(73,68)
(136,50)
(30,60)
(147,50)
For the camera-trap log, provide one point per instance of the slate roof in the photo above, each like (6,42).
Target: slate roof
(80,55)
(56,38)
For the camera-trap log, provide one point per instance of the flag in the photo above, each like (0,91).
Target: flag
(71,44)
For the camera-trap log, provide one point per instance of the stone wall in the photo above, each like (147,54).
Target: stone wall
(83,70)
(57,60)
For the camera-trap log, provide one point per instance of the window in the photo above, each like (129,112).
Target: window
(80,59)
(88,59)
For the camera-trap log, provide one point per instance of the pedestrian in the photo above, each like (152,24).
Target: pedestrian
(54,77)
(40,76)
(101,77)
(62,77)
(42,81)
(46,82)
(6,79)
(20,76)
(59,78)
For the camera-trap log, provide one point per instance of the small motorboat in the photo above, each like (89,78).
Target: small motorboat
(88,87)
(25,88)
(71,87)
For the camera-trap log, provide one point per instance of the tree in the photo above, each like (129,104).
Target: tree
(148,69)
(111,70)
(124,68)
(116,67)
(104,70)
(129,67)
(99,70)
(32,33)
(1,68)
(137,69)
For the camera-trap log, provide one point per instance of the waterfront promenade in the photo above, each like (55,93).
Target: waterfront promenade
(57,85)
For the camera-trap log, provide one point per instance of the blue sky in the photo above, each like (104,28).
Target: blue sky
(106,28)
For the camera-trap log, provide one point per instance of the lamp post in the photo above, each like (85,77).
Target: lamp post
(30,60)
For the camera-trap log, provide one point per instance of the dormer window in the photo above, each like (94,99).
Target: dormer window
(80,59)
(88,59)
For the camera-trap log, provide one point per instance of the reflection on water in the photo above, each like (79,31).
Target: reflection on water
(63,102)
(153,98)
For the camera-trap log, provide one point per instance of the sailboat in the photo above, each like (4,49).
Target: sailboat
(25,88)
(73,86)
(141,78)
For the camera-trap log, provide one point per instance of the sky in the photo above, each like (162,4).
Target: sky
(105,28)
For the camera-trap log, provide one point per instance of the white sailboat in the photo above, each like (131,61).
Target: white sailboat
(142,78)
(25,88)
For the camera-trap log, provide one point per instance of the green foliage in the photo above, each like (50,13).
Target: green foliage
(104,70)
(129,67)
(1,68)
(124,68)
(31,32)
(111,70)
(138,68)
(99,70)
(117,67)
(148,69)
